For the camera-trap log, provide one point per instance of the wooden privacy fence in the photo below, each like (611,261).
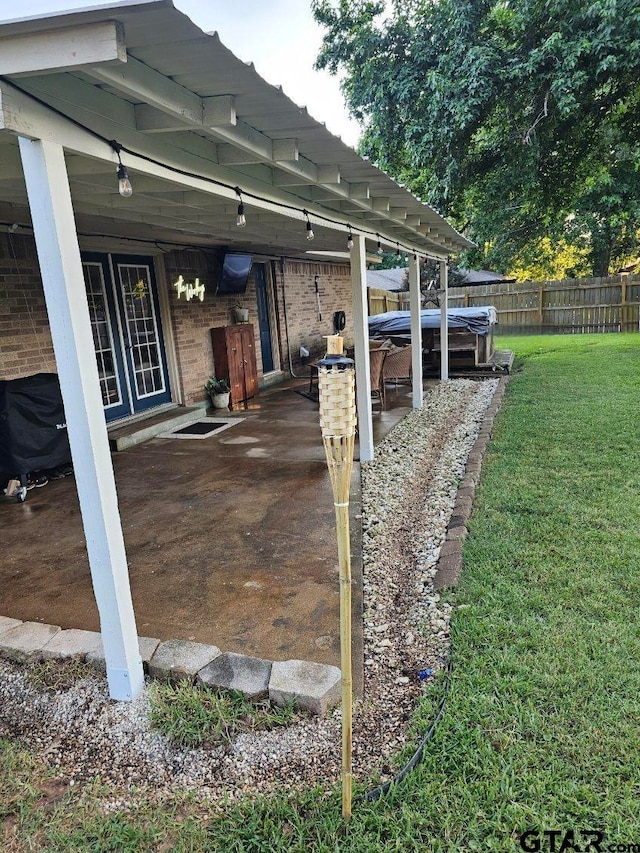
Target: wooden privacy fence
(574,305)
(381,301)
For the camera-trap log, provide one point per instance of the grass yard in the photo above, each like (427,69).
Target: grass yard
(542,725)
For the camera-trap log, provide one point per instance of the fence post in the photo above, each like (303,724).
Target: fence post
(624,309)
(541,305)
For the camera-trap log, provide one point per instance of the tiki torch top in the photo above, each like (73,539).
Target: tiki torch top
(336,390)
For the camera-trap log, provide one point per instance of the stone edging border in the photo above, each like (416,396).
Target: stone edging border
(313,687)
(449,565)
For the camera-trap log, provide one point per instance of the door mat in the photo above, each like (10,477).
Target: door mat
(202,428)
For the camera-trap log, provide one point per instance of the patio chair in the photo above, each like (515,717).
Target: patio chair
(397,364)
(377,360)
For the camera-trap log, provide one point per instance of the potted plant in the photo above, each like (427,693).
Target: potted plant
(219,392)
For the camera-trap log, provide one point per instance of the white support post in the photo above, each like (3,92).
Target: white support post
(416,331)
(444,326)
(61,268)
(361,345)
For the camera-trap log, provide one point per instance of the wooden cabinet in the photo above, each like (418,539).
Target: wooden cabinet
(234,357)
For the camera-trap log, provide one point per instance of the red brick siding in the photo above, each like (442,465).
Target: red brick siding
(191,321)
(305,327)
(25,339)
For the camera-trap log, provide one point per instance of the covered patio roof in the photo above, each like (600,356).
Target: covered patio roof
(200,133)
(196,123)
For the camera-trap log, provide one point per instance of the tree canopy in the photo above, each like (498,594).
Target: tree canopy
(519,120)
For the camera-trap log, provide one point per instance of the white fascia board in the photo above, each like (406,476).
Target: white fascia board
(65,49)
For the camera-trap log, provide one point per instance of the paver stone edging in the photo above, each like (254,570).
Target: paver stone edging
(314,687)
(25,641)
(231,671)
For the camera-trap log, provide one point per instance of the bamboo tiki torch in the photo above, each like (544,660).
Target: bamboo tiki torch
(336,384)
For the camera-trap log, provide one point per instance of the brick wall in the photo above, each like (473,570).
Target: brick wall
(191,321)
(25,340)
(305,326)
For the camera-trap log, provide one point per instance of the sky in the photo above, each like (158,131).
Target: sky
(279,36)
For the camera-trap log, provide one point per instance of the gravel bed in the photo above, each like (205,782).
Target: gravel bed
(408,493)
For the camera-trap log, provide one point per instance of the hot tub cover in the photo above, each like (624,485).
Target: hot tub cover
(477,320)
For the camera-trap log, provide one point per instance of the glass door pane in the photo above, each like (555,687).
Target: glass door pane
(105,341)
(143,335)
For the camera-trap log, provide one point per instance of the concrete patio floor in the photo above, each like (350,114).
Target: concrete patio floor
(230,539)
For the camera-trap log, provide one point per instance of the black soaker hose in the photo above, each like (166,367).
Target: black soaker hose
(417,756)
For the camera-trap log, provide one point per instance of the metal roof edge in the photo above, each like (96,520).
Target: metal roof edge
(82,10)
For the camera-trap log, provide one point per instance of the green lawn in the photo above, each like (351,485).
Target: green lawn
(542,724)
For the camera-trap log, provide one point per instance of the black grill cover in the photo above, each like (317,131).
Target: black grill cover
(33,428)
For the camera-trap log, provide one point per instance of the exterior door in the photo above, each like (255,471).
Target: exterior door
(127,333)
(264,320)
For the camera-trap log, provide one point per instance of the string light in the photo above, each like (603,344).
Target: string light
(124,181)
(241,219)
(379,250)
(349,239)
(125,187)
(310,234)
(398,250)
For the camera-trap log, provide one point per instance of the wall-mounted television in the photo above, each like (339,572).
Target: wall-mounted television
(235,274)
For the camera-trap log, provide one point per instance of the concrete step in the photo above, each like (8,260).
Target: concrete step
(127,435)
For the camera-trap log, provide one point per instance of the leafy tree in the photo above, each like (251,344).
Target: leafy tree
(519,120)
(546,260)
(391,261)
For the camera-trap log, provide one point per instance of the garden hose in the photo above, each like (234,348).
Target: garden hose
(417,756)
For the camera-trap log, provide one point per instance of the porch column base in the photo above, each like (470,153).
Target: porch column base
(125,685)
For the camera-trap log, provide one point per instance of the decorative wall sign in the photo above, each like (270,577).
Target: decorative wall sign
(191,290)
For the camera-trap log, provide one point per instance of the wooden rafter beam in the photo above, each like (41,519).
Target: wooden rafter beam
(165,106)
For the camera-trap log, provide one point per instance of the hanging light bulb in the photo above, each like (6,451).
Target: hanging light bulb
(349,239)
(379,250)
(241,219)
(125,187)
(124,182)
(398,250)
(310,234)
